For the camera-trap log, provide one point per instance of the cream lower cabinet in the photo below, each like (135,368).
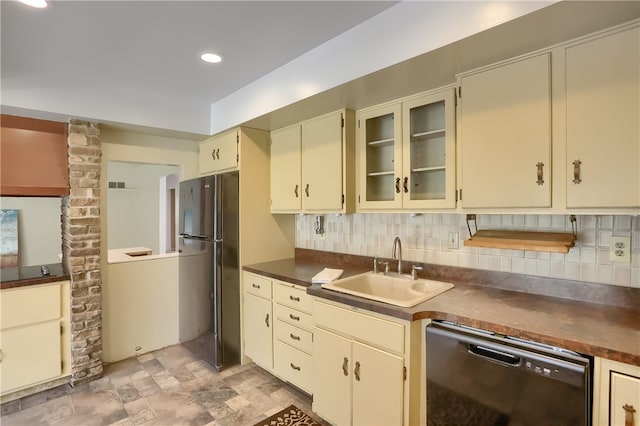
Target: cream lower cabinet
(603,120)
(293,335)
(616,399)
(360,367)
(34,336)
(258,320)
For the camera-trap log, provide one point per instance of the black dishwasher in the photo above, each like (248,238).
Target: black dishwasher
(476,377)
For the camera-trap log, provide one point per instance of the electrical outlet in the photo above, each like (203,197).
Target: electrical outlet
(620,249)
(453,240)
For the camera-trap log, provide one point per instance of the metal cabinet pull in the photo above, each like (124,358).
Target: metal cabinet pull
(213,154)
(294,298)
(356,371)
(294,317)
(539,166)
(576,172)
(345,366)
(294,337)
(628,414)
(296,190)
(295,367)
(397,185)
(405,184)
(255,285)
(306,190)
(266,320)
(218,154)
(2,354)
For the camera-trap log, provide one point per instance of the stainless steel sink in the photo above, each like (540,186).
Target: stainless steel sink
(395,290)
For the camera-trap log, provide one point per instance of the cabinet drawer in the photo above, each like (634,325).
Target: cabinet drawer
(257,285)
(22,306)
(294,336)
(294,366)
(299,319)
(375,331)
(292,296)
(625,392)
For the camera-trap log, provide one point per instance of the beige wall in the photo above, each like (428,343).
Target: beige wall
(425,239)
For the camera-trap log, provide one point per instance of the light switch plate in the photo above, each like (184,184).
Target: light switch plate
(620,249)
(453,240)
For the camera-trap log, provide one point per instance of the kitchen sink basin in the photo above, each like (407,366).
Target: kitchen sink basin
(395,290)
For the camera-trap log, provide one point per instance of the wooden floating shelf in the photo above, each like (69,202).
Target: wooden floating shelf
(553,242)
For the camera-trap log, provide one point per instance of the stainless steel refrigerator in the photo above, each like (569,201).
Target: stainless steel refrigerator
(209,287)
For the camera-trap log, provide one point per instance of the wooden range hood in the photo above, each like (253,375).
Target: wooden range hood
(33,157)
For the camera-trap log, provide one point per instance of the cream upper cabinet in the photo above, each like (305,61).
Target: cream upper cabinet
(379,146)
(219,153)
(286,178)
(616,399)
(603,121)
(406,153)
(505,134)
(326,152)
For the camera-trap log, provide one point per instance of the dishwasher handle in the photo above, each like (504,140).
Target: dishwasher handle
(494,355)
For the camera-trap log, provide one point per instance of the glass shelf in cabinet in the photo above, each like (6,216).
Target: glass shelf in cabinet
(381,142)
(427,134)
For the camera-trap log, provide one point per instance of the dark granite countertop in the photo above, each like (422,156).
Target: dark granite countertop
(596,329)
(31,275)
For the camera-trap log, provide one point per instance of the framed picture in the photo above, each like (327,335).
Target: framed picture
(8,238)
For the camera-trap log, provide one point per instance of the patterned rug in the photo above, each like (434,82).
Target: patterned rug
(290,416)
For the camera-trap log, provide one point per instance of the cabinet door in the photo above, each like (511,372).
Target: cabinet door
(30,355)
(322,160)
(219,153)
(286,194)
(603,121)
(428,164)
(377,387)
(379,147)
(258,326)
(505,135)
(332,373)
(624,402)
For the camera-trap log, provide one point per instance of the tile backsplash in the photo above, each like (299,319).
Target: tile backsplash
(425,238)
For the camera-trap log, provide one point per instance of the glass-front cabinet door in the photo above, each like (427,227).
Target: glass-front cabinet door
(406,153)
(380,157)
(428,175)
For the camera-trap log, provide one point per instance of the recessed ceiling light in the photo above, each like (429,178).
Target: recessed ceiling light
(35,3)
(211,57)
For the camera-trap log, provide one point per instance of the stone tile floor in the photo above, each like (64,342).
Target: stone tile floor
(166,387)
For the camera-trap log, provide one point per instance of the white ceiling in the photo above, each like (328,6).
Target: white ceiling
(136,64)
(142,57)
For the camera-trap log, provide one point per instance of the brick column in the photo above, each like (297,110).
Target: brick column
(81,249)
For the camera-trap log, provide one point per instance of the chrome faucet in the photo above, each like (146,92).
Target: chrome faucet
(397,244)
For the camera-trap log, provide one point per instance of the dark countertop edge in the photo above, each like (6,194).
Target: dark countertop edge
(270,269)
(30,275)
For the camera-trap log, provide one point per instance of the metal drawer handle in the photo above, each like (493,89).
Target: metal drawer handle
(628,414)
(266,320)
(397,185)
(356,371)
(306,190)
(576,172)
(345,366)
(405,184)
(294,317)
(295,299)
(294,337)
(539,166)
(255,285)
(295,367)
(295,191)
